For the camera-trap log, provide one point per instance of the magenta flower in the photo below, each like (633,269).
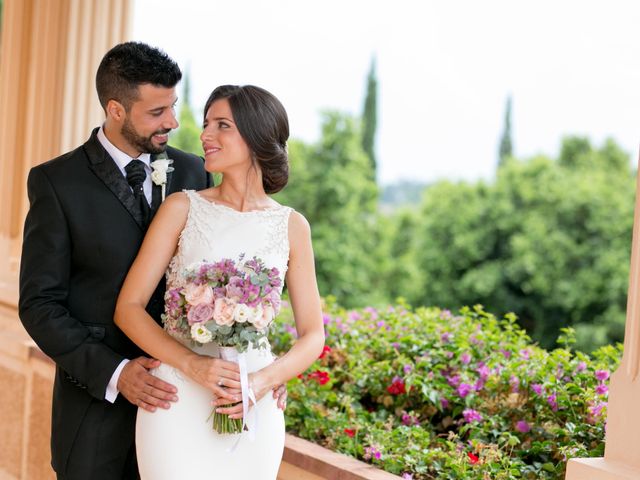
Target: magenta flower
(602,375)
(465,358)
(444,403)
(581,367)
(483,371)
(464,389)
(471,415)
(515,383)
(445,337)
(407,476)
(326,319)
(553,402)
(372,452)
(454,380)
(536,387)
(602,389)
(522,426)
(407,368)
(525,353)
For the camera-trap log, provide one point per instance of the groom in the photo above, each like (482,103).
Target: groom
(89,210)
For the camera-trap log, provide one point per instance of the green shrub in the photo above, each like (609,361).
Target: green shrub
(427,394)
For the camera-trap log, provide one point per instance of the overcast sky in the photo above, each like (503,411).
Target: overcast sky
(444,69)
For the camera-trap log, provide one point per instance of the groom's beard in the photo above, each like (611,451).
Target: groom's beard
(140,143)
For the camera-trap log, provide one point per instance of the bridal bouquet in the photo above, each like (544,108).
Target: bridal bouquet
(230,303)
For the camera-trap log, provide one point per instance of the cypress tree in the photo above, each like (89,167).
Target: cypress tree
(506,144)
(370,117)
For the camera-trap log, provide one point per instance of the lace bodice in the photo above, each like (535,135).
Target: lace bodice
(214,232)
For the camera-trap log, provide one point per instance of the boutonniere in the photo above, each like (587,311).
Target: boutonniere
(161,167)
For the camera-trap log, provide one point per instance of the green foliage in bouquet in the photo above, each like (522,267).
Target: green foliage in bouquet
(429,394)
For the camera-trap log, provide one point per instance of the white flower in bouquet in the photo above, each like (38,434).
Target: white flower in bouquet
(223,311)
(200,333)
(263,320)
(243,313)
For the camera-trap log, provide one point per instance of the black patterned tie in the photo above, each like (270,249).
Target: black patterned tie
(136,174)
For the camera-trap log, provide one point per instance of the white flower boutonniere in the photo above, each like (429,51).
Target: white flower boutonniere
(161,167)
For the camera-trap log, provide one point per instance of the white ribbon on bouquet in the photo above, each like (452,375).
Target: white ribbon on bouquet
(249,419)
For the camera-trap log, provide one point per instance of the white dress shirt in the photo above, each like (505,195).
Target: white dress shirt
(121,159)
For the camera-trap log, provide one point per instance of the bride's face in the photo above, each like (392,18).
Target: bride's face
(224,148)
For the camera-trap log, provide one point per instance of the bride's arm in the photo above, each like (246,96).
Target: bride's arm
(130,315)
(307,311)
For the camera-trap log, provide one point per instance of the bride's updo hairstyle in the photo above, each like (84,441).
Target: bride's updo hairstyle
(263,124)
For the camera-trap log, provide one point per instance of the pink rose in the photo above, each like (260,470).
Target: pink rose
(264,316)
(198,294)
(203,312)
(223,311)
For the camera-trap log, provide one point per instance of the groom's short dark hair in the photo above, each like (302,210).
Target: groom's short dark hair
(129,65)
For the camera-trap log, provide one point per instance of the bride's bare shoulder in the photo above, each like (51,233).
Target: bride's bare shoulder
(299,227)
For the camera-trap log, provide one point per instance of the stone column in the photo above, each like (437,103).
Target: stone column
(622,448)
(49,53)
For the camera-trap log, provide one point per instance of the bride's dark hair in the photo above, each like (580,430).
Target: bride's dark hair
(263,124)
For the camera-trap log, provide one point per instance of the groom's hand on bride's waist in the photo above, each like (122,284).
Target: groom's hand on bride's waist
(143,389)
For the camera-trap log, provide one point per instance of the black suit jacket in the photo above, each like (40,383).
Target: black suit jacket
(81,235)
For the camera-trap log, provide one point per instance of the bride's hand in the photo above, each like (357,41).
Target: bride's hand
(219,376)
(222,404)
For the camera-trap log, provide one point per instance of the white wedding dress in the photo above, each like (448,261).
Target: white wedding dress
(180,443)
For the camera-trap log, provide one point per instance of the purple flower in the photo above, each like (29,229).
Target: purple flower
(454,380)
(395,345)
(506,353)
(444,403)
(522,426)
(596,410)
(536,387)
(552,401)
(465,358)
(372,452)
(445,337)
(581,367)
(326,319)
(471,415)
(525,353)
(448,354)
(407,476)
(407,369)
(602,375)
(602,389)
(479,385)
(483,371)
(444,314)
(380,323)
(464,389)
(515,383)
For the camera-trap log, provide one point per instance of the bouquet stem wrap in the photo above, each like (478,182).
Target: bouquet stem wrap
(249,419)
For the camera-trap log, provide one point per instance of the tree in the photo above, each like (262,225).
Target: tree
(331,185)
(506,143)
(548,240)
(187,136)
(370,117)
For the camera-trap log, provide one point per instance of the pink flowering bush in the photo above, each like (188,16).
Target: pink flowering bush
(427,394)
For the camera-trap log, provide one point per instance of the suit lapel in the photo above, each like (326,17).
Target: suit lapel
(106,170)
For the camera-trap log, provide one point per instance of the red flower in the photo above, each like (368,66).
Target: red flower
(396,387)
(301,376)
(320,376)
(326,349)
(473,458)
(350,432)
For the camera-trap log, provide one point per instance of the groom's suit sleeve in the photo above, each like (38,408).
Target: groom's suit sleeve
(44,286)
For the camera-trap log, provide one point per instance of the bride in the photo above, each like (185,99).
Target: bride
(244,137)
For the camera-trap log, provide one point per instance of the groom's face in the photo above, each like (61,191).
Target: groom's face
(151,117)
